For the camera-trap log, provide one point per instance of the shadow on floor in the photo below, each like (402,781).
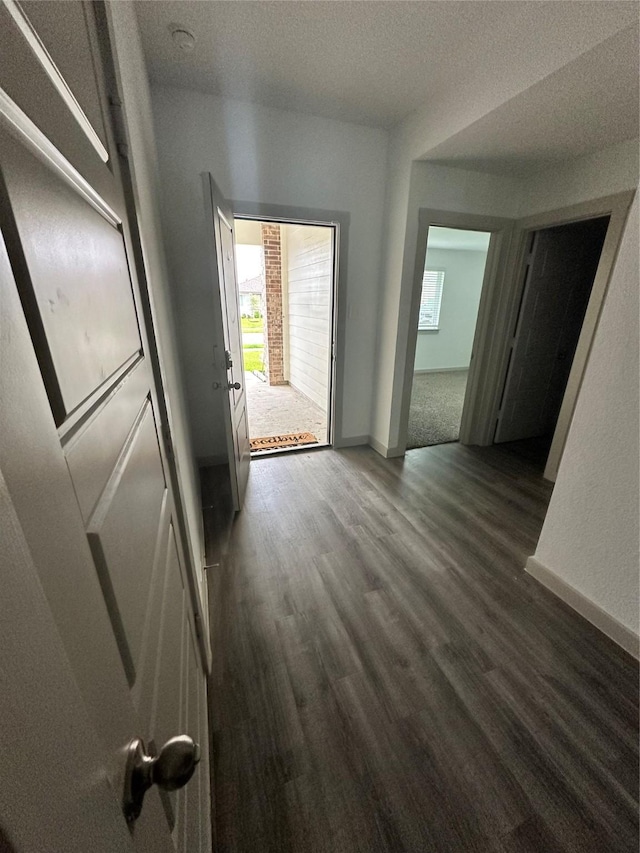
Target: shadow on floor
(217,511)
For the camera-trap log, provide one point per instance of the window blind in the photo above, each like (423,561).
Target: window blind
(431,299)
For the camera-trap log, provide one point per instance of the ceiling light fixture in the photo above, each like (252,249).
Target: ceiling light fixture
(183,39)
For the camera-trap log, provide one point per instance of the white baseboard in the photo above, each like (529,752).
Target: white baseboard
(383,450)
(591,611)
(378,446)
(351,441)
(395,452)
(441,369)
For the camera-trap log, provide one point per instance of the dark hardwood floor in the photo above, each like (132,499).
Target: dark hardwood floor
(387,678)
(533,450)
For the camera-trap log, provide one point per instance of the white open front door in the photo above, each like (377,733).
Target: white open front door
(234,399)
(81,448)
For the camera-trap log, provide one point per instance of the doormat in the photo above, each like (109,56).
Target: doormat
(277,442)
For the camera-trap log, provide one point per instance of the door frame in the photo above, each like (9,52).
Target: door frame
(483,354)
(617,208)
(339,222)
(131,191)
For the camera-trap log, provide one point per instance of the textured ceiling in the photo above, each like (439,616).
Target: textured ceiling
(587,105)
(370,62)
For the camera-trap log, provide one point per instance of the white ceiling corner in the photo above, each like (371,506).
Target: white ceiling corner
(371,62)
(567,71)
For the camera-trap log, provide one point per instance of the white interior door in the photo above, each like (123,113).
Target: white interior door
(560,271)
(56,752)
(81,451)
(234,399)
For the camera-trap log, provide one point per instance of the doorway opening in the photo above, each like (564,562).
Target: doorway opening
(452,281)
(286,285)
(560,269)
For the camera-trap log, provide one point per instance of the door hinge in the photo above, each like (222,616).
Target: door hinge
(119,130)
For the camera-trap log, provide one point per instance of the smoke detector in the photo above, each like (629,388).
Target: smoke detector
(183,39)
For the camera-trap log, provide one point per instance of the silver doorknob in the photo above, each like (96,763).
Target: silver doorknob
(170,769)
(234,385)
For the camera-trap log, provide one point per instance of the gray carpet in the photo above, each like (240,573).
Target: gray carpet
(436,407)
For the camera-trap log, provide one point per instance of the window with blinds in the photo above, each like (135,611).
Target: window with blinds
(431,299)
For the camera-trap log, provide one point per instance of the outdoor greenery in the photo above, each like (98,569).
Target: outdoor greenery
(252,356)
(252,324)
(253,342)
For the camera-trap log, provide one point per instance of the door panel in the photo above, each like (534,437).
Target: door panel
(33,662)
(167,713)
(231,310)
(93,450)
(80,446)
(79,281)
(67,128)
(73,57)
(123,532)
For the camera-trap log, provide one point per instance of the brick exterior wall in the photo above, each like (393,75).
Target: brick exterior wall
(273,347)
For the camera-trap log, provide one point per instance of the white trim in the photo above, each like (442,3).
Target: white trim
(618,208)
(588,609)
(378,446)
(225,220)
(615,206)
(440,369)
(53,73)
(474,413)
(339,221)
(352,441)
(383,450)
(20,125)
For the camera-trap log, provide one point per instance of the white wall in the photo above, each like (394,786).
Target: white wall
(439,188)
(590,535)
(275,157)
(611,170)
(420,133)
(451,345)
(309,263)
(146,181)
(428,185)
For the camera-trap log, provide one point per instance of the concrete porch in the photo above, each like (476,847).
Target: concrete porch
(280,410)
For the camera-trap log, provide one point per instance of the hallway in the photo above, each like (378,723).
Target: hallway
(387,678)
